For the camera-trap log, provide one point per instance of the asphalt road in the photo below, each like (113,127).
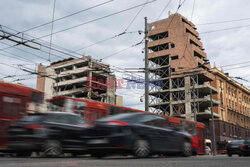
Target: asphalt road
(201,161)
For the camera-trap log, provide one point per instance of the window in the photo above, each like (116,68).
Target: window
(192,128)
(174,57)
(184,125)
(172,45)
(80,107)
(114,110)
(73,119)
(154,120)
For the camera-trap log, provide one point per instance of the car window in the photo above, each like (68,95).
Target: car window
(237,141)
(247,141)
(58,118)
(33,118)
(153,120)
(73,119)
(120,117)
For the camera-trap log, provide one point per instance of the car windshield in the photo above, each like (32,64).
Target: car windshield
(247,141)
(118,117)
(33,118)
(237,141)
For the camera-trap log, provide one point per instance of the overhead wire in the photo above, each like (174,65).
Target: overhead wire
(221,22)
(52,27)
(165,7)
(93,20)
(192,10)
(64,17)
(116,53)
(117,35)
(104,40)
(224,29)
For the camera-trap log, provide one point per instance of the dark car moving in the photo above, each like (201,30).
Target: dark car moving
(246,147)
(234,147)
(136,133)
(51,133)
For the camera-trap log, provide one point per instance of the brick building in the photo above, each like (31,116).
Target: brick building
(177,58)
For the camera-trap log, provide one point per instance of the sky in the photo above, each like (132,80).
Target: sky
(227,47)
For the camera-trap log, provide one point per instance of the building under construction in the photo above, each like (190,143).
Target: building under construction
(177,59)
(78,78)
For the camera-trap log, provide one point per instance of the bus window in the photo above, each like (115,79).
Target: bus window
(56,105)
(80,107)
(192,128)
(184,125)
(114,110)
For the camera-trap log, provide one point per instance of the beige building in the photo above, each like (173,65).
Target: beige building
(234,108)
(78,78)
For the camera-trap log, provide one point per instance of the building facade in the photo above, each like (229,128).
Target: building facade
(177,59)
(78,78)
(233,108)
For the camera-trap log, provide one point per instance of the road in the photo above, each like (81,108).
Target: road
(201,161)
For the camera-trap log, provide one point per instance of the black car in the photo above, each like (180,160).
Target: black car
(234,147)
(136,133)
(246,147)
(52,133)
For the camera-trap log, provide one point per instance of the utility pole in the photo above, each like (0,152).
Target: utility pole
(213,130)
(146,66)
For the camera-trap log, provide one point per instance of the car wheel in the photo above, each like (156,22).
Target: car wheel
(187,149)
(229,155)
(23,154)
(97,155)
(141,148)
(239,155)
(52,148)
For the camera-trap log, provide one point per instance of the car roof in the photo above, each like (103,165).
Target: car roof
(53,113)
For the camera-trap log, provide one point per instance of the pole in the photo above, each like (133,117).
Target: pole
(146,66)
(194,96)
(57,80)
(213,130)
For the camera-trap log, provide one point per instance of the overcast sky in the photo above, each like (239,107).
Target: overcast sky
(223,47)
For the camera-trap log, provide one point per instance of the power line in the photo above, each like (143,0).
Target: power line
(225,29)
(52,27)
(164,9)
(24,51)
(220,22)
(103,40)
(192,10)
(16,57)
(90,21)
(92,7)
(235,64)
(117,35)
(135,16)
(116,53)
(237,67)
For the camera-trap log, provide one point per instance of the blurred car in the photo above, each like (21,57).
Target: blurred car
(136,133)
(234,147)
(51,133)
(246,147)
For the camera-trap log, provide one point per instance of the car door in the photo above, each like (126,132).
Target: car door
(152,127)
(64,128)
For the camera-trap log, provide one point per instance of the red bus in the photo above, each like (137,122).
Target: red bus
(15,101)
(92,110)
